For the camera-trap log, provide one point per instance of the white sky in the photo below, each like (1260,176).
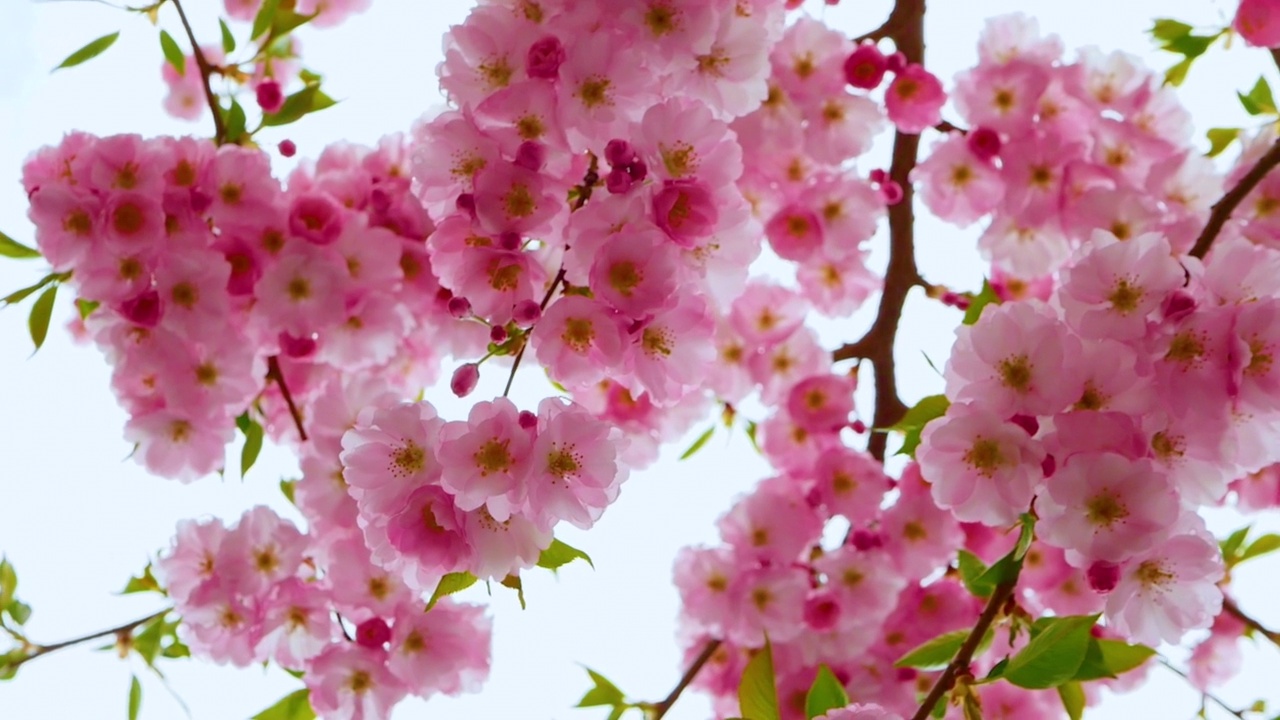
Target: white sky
(77,519)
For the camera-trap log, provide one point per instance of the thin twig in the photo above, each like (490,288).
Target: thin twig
(1222,209)
(206,69)
(275,375)
(960,663)
(1229,606)
(41,650)
(1204,694)
(659,709)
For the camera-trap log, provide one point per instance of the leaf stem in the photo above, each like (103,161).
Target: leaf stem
(275,375)
(1229,606)
(960,663)
(206,69)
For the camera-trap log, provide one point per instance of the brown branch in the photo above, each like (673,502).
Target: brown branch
(659,709)
(206,69)
(901,16)
(41,650)
(906,26)
(960,663)
(1229,606)
(275,375)
(1227,204)
(1203,693)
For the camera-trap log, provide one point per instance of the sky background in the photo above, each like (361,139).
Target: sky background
(77,518)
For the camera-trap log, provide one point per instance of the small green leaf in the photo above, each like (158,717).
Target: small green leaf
(1167,29)
(8,582)
(1259,100)
(11,248)
(228,40)
(1178,73)
(143,583)
(604,692)
(176,650)
(41,313)
(9,663)
(307,100)
(1054,655)
(19,611)
(1220,139)
(294,706)
(928,409)
(758,691)
(173,53)
(135,698)
(90,51)
(18,296)
(309,78)
(1192,46)
(252,446)
(826,693)
(1025,536)
(243,420)
(86,307)
(979,302)
(235,122)
(452,583)
(1110,658)
(262,21)
(1266,544)
(286,21)
(935,653)
(147,642)
(513,581)
(1072,694)
(751,428)
(697,444)
(1231,546)
(559,554)
(287,488)
(971,571)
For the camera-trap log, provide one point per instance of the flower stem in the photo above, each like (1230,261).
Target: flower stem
(206,69)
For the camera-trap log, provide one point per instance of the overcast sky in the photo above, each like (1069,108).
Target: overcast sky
(77,519)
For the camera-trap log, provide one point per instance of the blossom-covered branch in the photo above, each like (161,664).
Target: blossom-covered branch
(1223,208)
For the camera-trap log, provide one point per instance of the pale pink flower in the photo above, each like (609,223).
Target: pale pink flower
(1168,590)
(822,403)
(914,100)
(389,453)
(769,602)
(176,444)
(956,185)
(486,459)
(192,559)
(860,711)
(850,483)
(687,210)
(578,340)
(350,682)
(673,351)
(299,623)
(773,524)
(795,233)
(574,473)
(260,551)
(502,547)
(446,650)
(766,314)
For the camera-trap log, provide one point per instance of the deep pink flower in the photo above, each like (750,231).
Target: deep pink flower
(1258,22)
(865,67)
(914,100)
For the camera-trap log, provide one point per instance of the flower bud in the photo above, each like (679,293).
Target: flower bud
(527,312)
(545,57)
(459,307)
(270,96)
(464,379)
(865,67)
(373,633)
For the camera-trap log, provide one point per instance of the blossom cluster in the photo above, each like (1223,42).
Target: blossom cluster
(261,590)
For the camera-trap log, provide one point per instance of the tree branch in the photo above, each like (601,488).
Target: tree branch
(206,69)
(1208,695)
(906,27)
(41,650)
(659,709)
(1222,209)
(275,375)
(1229,606)
(960,663)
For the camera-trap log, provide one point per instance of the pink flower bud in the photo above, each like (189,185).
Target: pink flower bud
(531,155)
(896,62)
(295,346)
(287,148)
(619,153)
(1103,576)
(865,67)
(891,191)
(270,96)
(527,312)
(984,143)
(510,240)
(866,540)
(1177,305)
(638,170)
(498,334)
(878,176)
(464,379)
(618,181)
(545,57)
(466,202)
(528,420)
(143,309)
(1258,22)
(316,218)
(373,633)
(459,307)
(821,611)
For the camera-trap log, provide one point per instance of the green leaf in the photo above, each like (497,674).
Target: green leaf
(1266,544)
(11,248)
(513,581)
(1110,658)
(252,446)
(697,444)
(266,15)
(147,643)
(235,125)
(9,663)
(1231,546)
(90,51)
(287,488)
(1072,694)
(135,698)
(307,100)
(294,706)
(18,296)
(19,611)
(86,307)
(228,40)
(826,693)
(452,583)
(173,53)
(1176,74)
(243,420)
(176,650)
(1259,100)
(979,302)
(751,428)
(8,582)
(758,692)
(1054,655)
(604,692)
(1220,139)
(935,653)
(1192,46)
(929,408)
(41,312)
(559,554)
(1167,29)
(971,571)
(144,583)
(286,21)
